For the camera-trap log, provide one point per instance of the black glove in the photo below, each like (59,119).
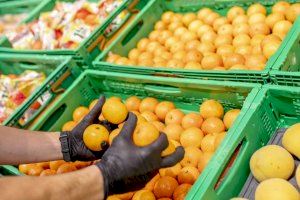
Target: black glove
(73,147)
(124,161)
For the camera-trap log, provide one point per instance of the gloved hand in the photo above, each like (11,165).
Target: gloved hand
(73,147)
(123,162)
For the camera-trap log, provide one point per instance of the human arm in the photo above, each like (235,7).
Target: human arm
(82,184)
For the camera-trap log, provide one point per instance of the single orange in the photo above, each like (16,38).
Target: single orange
(293,12)
(188,175)
(165,187)
(48,172)
(193,66)
(144,134)
(170,171)
(211,108)
(211,18)
(163,108)
(193,56)
(233,59)
(167,17)
(219,22)
(133,103)
(273,18)
(24,168)
(259,28)
(223,40)
(94,135)
(160,25)
(281,7)
(67,167)
(54,165)
(210,61)
(142,44)
(35,170)
(212,125)
(203,13)
(68,126)
(143,195)
(159,125)
(204,160)
(174,116)
(241,19)
(191,157)
(188,18)
(234,12)
(219,138)
(113,134)
(206,47)
(191,137)
(208,143)
(79,113)
(256,8)
(114,111)
(149,116)
(230,117)
(226,29)
(181,191)
(192,120)
(148,104)
(173,131)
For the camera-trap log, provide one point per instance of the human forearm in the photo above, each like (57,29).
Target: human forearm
(83,184)
(22,146)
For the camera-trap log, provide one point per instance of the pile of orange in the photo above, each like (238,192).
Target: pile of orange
(242,40)
(200,133)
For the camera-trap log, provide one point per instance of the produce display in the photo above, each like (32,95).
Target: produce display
(200,133)
(10,22)
(65,26)
(14,89)
(241,40)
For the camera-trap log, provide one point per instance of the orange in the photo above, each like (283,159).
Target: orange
(64,168)
(205,158)
(140,119)
(150,185)
(113,134)
(124,196)
(44,165)
(174,116)
(81,164)
(143,195)
(134,54)
(47,172)
(223,40)
(255,60)
(241,39)
(191,137)
(293,12)
(158,51)
(35,170)
(169,150)
(177,47)
(153,36)
(24,168)
(176,143)
(191,157)
(280,7)
(181,191)
(188,18)
(211,108)
(273,18)
(79,113)
(170,171)
(234,12)
(165,187)
(195,25)
(244,50)
(144,134)
(133,103)
(209,36)
(206,47)
(212,125)
(180,31)
(230,117)
(233,59)
(165,34)
(152,46)
(149,116)
(211,61)
(256,18)
(159,125)
(94,135)
(188,36)
(257,39)
(92,104)
(259,28)
(281,28)
(208,143)
(166,55)
(193,56)
(225,49)
(256,8)
(176,64)
(145,56)
(112,57)
(203,13)
(68,126)
(269,39)
(160,25)
(242,28)
(114,111)
(180,55)
(148,104)
(193,66)
(167,17)
(188,175)
(210,18)
(142,44)
(54,165)
(192,120)
(204,29)
(226,29)
(219,138)
(240,19)
(219,22)
(122,61)
(173,131)
(170,41)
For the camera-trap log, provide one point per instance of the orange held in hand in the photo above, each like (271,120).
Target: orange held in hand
(114,111)
(94,135)
(145,133)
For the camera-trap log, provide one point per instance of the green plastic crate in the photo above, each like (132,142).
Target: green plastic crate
(87,50)
(143,25)
(274,107)
(61,71)
(187,95)
(286,70)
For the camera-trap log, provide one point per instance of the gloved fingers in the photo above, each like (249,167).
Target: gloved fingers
(174,158)
(104,146)
(160,144)
(93,114)
(129,126)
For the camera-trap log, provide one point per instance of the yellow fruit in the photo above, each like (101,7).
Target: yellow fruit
(167,17)
(144,134)
(203,13)
(174,116)
(271,161)
(280,7)
(210,18)
(206,47)
(143,195)
(68,126)
(94,135)
(226,29)
(242,39)
(208,143)
(193,56)
(225,49)
(111,107)
(148,104)
(222,40)
(193,66)
(298,175)
(173,131)
(188,175)
(244,50)
(212,125)
(24,168)
(240,19)
(192,156)
(176,143)
(259,28)
(204,160)
(276,189)
(219,22)
(149,116)
(150,185)
(291,138)
(133,103)
(79,113)
(209,36)
(176,64)
(293,12)
(170,171)
(169,150)
(233,59)
(204,29)
(188,36)
(256,18)
(273,18)
(159,125)
(281,28)
(210,61)
(113,134)
(234,12)
(194,26)
(191,137)
(35,170)
(242,28)
(188,18)
(165,187)
(211,108)
(256,8)
(219,138)
(270,48)
(192,120)
(230,117)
